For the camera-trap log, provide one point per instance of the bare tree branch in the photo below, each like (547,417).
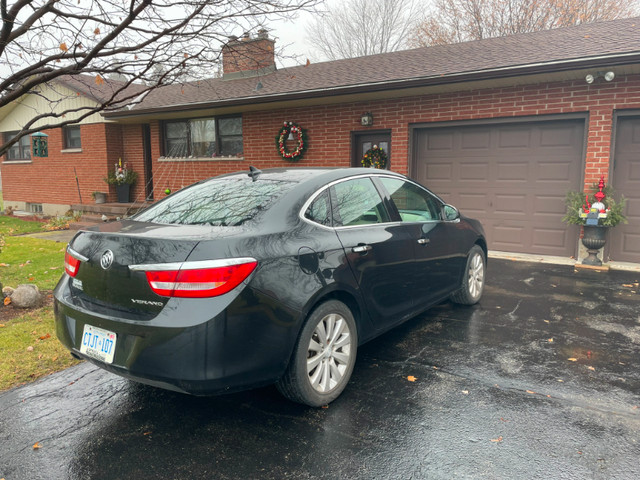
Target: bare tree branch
(149,43)
(454,21)
(356,28)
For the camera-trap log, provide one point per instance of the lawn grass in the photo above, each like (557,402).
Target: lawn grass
(31,260)
(16,226)
(30,349)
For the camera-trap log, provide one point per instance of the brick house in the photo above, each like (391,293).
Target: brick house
(501,128)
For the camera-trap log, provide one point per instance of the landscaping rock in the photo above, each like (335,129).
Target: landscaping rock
(25,296)
(7,291)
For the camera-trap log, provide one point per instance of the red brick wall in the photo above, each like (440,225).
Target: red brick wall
(329,127)
(52,179)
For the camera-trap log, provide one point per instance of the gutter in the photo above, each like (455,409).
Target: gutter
(601,61)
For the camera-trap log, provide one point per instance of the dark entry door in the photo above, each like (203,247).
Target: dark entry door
(148,164)
(363,141)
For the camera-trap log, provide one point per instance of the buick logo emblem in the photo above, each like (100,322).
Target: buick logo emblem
(106,260)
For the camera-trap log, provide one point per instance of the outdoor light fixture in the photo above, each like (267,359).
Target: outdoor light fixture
(608,76)
(366,120)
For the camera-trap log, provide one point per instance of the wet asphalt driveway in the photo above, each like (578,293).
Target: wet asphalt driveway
(540,380)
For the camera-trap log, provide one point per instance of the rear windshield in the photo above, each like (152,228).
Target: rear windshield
(218,202)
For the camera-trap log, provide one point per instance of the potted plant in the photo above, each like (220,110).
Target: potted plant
(99,197)
(595,212)
(122,177)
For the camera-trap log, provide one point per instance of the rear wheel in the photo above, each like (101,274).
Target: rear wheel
(323,358)
(473,278)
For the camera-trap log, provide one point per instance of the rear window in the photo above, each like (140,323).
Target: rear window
(218,202)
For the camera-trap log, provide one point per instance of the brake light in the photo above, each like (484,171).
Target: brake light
(191,281)
(71,264)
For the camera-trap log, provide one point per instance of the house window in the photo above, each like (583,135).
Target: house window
(203,137)
(21,150)
(34,207)
(71,135)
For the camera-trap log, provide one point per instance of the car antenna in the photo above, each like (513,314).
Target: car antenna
(254,173)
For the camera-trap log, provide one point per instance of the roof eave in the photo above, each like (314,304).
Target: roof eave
(601,61)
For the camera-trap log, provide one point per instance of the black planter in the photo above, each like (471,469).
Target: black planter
(123,192)
(594,239)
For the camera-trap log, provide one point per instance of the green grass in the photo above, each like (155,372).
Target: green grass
(31,260)
(30,349)
(16,226)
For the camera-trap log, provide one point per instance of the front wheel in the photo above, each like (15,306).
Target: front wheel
(473,278)
(323,358)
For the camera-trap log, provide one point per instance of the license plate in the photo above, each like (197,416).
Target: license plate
(98,343)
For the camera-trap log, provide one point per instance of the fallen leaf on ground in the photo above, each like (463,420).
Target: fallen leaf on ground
(572,359)
(44,337)
(411,378)
(497,440)
(551,340)
(531,392)
(466,392)
(547,321)
(560,380)
(146,433)
(627,285)
(37,446)
(591,368)
(29,349)
(7,300)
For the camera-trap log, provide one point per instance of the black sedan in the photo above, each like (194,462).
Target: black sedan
(264,277)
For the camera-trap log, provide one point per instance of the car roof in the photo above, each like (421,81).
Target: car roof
(317,175)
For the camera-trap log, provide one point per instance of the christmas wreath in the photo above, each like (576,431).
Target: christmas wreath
(375,157)
(299,134)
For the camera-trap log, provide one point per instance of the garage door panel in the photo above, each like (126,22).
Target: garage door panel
(476,171)
(559,136)
(625,239)
(512,177)
(557,172)
(516,138)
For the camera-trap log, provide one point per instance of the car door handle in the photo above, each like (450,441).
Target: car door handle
(361,249)
(423,241)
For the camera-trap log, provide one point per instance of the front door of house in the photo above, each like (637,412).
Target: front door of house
(363,141)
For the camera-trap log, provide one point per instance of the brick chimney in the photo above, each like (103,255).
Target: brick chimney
(248,57)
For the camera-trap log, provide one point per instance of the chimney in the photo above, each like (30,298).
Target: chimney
(248,57)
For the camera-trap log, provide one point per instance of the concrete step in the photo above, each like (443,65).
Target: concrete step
(110,209)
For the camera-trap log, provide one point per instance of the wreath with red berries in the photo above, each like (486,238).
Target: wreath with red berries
(375,157)
(299,134)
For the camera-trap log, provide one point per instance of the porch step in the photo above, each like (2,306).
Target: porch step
(110,209)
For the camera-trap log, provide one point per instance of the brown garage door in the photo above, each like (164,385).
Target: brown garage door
(513,177)
(625,239)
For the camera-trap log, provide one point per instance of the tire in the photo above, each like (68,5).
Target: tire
(473,279)
(323,358)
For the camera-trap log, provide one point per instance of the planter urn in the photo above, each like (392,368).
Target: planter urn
(593,239)
(123,192)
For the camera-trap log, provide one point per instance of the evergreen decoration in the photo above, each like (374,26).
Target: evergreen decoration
(375,157)
(299,135)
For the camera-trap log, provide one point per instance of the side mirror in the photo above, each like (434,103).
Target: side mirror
(451,213)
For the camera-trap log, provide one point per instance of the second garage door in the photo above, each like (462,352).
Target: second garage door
(513,177)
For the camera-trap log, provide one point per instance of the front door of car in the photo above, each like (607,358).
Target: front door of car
(439,260)
(378,252)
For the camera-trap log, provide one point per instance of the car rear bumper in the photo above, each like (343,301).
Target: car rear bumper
(216,345)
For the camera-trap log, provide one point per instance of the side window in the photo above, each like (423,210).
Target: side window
(413,203)
(320,211)
(357,202)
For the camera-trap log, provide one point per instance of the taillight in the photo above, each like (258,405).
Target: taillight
(71,264)
(198,279)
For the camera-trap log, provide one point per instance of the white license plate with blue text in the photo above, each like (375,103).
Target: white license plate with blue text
(98,343)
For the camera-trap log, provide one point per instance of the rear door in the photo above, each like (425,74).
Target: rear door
(379,252)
